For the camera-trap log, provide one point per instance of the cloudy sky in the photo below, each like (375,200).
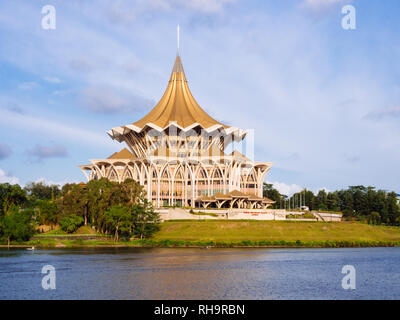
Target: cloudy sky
(324,102)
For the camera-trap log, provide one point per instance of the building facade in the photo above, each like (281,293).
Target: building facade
(177,153)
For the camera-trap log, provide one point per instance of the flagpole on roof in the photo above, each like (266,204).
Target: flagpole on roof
(178,38)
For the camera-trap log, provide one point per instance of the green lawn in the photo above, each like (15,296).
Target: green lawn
(243,233)
(275,231)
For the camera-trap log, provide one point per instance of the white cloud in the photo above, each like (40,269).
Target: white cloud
(318,4)
(389,113)
(52,79)
(40,152)
(106,99)
(27,85)
(205,6)
(5,151)
(5,178)
(319,189)
(286,189)
(54,128)
(51,182)
(290,189)
(126,13)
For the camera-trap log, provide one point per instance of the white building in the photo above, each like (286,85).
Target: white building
(177,153)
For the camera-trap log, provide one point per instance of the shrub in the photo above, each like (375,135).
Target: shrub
(308,216)
(71,223)
(374,218)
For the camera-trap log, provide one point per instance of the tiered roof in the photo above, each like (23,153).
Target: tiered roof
(177,107)
(123,154)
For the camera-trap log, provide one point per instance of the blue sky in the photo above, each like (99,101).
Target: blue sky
(324,102)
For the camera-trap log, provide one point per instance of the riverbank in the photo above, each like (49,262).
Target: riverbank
(202,244)
(231,234)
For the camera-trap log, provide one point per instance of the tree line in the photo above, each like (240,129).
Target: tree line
(108,207)
(355,202)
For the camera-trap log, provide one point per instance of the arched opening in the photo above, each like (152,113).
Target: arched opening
(113,175)
(201,183)
(154,183)
(217,182)
(164,187)
(127,175)
(179,184)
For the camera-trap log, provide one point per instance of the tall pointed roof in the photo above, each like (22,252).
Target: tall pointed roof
(177,105)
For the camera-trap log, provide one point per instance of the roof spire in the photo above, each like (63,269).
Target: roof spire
(178,39)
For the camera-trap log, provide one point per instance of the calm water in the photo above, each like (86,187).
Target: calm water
(200,274)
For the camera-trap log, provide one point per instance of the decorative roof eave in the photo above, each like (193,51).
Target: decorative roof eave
(204,160)
(116,133)
(267,200)
(112,161)
(192,159)
(262,164)
(85,166)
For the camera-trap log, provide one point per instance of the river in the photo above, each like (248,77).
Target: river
(183,273)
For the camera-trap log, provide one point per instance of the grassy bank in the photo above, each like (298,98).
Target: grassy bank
(151,243)
(203,233)
(231,230)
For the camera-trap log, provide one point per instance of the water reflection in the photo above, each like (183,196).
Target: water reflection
(142,273)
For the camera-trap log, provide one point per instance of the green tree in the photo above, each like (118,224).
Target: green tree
(347,203)
(370,196)
(73,201)
(360,202)
(270,192)
(380,204)
(48,213)
(118,220)
(132,191)
(102,194)
(145,220)
(41,191)
(11,196)
(374,218)
(393,209)
(308,199)
(333,200)
(71,223)
(322,200)
(17,225)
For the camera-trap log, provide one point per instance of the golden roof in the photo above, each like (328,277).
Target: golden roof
(206,198)
(123,154)
(254,197)
(222,196)
(178,105)
(238,194)
(178,108)
(237,154)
